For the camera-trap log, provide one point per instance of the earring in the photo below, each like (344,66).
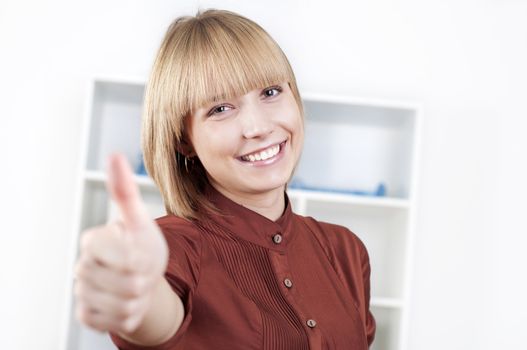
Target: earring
(178,160)
(186,165)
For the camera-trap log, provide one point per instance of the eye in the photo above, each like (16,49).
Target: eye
(218,110)
(272,91)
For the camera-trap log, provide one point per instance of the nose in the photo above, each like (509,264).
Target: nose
(256,121)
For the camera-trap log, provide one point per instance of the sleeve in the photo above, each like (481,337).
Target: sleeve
(350,259)
(182,273)
(366,273)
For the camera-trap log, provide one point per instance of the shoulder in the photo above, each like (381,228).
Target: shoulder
(174,225)
(169,222)
(184,240)
(336,239)
(181,233)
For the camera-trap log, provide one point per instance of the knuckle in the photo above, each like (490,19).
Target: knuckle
(77,270)
(86,238)
(83,314)
(88,317)
(80,270)
(76,290)
(79,290)
(97,325)
(137,286)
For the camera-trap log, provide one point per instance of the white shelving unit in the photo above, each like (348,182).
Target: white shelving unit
(350,144)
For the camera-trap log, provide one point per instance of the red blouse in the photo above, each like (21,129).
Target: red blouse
(250,283)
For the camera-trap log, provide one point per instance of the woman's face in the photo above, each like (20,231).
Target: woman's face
(249,144)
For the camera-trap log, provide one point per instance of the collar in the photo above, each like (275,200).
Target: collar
(249,225)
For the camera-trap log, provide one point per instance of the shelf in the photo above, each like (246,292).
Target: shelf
(107,209)
(350,143)
(394,303)
(409,106)
(332,197)
(114,106)
(99,176)
(389,327)
(383,230)
(371,142)
(319,196)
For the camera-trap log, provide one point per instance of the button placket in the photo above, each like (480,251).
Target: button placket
(282,271)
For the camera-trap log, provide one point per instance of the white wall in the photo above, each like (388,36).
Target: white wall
(464,59)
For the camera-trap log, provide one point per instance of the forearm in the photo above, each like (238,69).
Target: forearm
(162,320)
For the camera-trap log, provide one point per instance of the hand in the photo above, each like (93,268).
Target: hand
(121,263)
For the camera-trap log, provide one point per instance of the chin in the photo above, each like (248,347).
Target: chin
(267,187)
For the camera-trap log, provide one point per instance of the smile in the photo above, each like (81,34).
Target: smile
(263,155)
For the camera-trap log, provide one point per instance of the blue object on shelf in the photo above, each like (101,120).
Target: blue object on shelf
(141,170)
(379,192)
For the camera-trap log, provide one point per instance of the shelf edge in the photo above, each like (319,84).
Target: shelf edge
(394,303)
(99,176)
(386,202)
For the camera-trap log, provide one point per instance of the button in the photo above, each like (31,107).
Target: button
(277,238)
(288,283)
(311,323)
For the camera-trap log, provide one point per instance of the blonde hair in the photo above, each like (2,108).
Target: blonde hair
(216,54)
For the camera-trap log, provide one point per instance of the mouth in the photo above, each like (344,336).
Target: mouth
(264,156)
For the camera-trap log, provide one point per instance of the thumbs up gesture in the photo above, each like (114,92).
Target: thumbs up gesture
(120,264)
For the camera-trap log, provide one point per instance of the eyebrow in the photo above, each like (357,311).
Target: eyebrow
(210,101)
(217,98)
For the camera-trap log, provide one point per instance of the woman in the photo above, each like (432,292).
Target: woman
(230,266)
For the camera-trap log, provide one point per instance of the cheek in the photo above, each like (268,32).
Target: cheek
(215,143)
(294,123)
(297,132)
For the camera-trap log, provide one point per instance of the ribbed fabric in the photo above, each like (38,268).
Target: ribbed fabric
(243,261)
(230,276)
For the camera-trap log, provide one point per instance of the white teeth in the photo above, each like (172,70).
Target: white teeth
(263,155)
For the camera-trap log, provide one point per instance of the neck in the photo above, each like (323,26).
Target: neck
(270,204)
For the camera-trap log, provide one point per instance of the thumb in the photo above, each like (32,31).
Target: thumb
(125,192)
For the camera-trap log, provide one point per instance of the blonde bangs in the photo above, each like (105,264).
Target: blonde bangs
(224,60)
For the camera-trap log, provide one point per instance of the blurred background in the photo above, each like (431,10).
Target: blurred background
(464,60)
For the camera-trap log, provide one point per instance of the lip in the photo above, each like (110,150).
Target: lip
(271,160)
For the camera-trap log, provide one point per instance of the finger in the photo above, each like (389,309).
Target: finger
(97,320)
(125,192)
(124,285)
(114,307)
(106,247)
